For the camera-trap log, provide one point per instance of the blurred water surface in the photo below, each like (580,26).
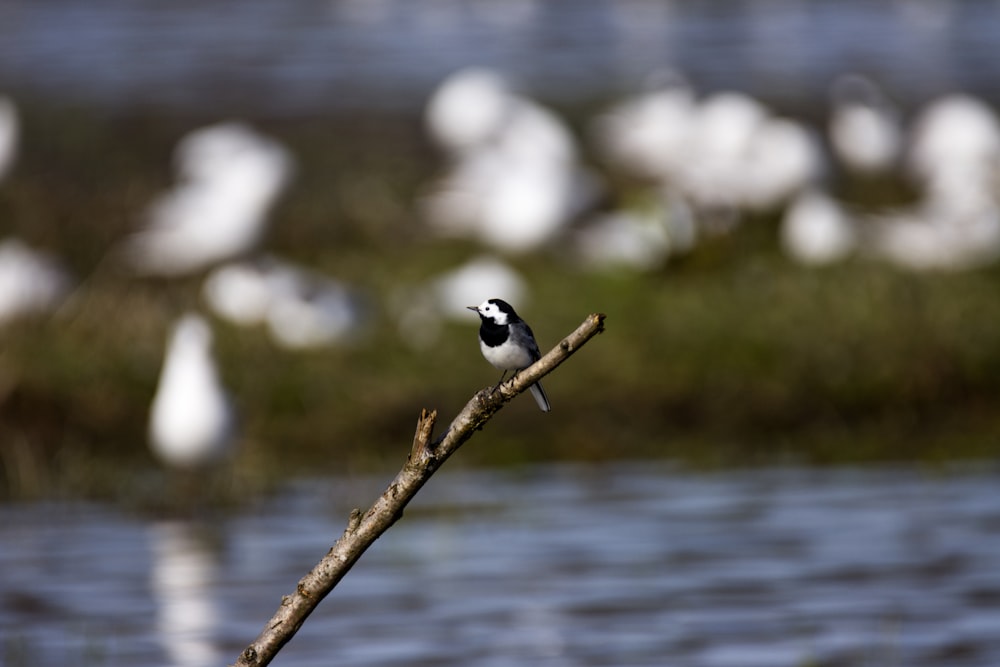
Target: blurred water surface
(617,565)
(320,54)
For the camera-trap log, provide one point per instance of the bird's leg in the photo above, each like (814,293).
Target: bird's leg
(499,383)
(512,378)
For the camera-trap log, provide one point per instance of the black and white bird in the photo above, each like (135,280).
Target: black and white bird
(508,343)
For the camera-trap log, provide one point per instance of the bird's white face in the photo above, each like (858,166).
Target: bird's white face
(492,311)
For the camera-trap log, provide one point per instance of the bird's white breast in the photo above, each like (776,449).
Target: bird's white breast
(506,356)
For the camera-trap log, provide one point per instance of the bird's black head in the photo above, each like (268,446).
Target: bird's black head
(496,311)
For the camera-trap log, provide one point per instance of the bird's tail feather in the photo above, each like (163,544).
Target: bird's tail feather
(540,397)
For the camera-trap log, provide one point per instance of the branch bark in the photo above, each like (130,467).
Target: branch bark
(425,457)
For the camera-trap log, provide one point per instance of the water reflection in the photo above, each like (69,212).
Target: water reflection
(184,571)
(568,565)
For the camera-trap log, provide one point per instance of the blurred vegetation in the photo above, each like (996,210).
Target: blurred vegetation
(730,355)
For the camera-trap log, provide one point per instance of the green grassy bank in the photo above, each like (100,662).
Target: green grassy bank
(730,355)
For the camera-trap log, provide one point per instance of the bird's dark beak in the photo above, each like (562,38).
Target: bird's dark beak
(475,308)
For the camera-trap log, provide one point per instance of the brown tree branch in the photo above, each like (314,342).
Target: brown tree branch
(425,458)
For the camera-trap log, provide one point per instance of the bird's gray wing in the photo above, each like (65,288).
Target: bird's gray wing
(523,336)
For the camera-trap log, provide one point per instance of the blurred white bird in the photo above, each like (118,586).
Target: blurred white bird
(864,128)
(229,178)
(302,309)
(724,128)
(723,154)
(954,155)
(9,129)
(309,310)
(623,238)
(641,237)
(648,135)
(455,290)
(420,310)
(191,421)
(30,281)
(939,233)
(239,292)
(468,109)
(817,230)
(514,180)
(953,133)
(782,159)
